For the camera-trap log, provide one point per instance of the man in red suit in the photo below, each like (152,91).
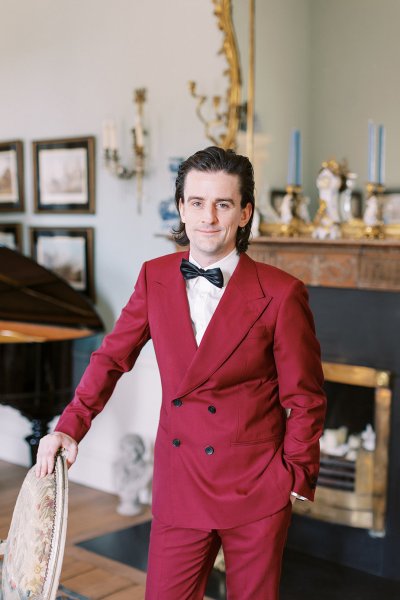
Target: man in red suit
(243,406)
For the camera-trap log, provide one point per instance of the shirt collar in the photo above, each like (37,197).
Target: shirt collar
(227,264)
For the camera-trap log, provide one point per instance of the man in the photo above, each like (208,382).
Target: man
(237,354)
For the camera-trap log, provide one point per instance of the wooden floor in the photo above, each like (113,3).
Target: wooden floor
(90,514)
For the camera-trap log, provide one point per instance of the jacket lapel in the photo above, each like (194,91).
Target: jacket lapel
(174,337)
(239,308)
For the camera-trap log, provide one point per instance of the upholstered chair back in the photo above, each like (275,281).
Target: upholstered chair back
(34,549)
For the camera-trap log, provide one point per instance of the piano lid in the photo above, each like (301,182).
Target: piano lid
(31,293)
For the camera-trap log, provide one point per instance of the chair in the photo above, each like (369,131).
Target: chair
(34,549)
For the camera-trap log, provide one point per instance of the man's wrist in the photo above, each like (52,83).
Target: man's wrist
(297,496)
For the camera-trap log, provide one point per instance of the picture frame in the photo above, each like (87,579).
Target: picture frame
(68,251)
(391,206)
(64,175)
(12,197)
(11,235)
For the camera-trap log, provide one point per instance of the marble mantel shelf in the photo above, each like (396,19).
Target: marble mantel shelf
(360,264)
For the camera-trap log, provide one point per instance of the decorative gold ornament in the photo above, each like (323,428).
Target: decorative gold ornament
(227,120)
(373,214)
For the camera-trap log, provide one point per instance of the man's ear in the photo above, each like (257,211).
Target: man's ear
(182,209)
(246,214)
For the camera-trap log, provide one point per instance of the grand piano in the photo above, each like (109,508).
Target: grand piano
(47,333)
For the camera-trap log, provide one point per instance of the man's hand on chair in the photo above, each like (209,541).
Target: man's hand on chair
(48,447)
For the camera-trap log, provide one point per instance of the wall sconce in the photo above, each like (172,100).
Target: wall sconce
(112,158)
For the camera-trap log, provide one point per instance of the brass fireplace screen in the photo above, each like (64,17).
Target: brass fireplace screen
(353,491)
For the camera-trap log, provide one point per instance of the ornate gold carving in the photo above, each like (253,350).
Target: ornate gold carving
(229,119)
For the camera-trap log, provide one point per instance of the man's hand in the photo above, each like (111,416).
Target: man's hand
(48,447)
(292,499)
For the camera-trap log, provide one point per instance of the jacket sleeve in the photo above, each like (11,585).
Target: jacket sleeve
(116,355)
(300,378)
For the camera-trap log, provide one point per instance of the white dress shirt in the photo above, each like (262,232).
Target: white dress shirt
(204,296)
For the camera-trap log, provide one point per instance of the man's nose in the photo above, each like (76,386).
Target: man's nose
(210,214)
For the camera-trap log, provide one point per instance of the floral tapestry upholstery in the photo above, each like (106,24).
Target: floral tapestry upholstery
(34,547)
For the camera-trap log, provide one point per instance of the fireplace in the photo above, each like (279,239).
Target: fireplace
(352,484)
(354,290)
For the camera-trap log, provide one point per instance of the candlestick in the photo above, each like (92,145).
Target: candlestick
(112,135)
(371,151)
(381,155)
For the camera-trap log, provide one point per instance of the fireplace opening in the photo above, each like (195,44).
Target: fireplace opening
(352,484)
(349,428)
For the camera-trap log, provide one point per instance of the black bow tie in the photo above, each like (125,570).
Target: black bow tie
(190,271)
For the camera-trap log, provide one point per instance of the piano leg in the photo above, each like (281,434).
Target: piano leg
(40,427)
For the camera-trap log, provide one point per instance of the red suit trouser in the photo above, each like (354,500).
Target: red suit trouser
(180,560)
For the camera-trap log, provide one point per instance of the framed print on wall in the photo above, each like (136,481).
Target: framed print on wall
(11,176)
(64,175)
(11,236)
(68,251)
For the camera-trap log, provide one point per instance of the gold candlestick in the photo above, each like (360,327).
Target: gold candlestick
(373,213)
(293,225)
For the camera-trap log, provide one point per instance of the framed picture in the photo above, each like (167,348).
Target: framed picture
(63,172)
(391,207)
(11,235)
(11,177)
(68,252)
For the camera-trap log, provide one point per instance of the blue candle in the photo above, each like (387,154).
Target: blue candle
(297,180)
(291,164)
(381,154)
(371,152)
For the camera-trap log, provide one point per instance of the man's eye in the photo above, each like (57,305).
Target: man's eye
(223,205)
(196,204)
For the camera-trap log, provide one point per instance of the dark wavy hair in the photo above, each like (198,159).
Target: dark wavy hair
(214,159)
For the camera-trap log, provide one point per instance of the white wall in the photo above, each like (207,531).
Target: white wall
(282,78)
(67,65)
(355,63)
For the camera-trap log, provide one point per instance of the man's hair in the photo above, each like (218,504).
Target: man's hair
(212,160)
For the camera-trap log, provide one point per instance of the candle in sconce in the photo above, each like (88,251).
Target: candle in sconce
(105,135)
(381,154)
(371,152)
(112,132)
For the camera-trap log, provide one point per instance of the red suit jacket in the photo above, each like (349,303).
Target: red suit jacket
(226,453)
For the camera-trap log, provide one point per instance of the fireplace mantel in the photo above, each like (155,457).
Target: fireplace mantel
(357,264)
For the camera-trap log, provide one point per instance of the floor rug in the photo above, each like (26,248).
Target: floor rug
(303,576)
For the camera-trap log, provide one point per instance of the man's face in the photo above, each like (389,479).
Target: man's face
(212,214)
